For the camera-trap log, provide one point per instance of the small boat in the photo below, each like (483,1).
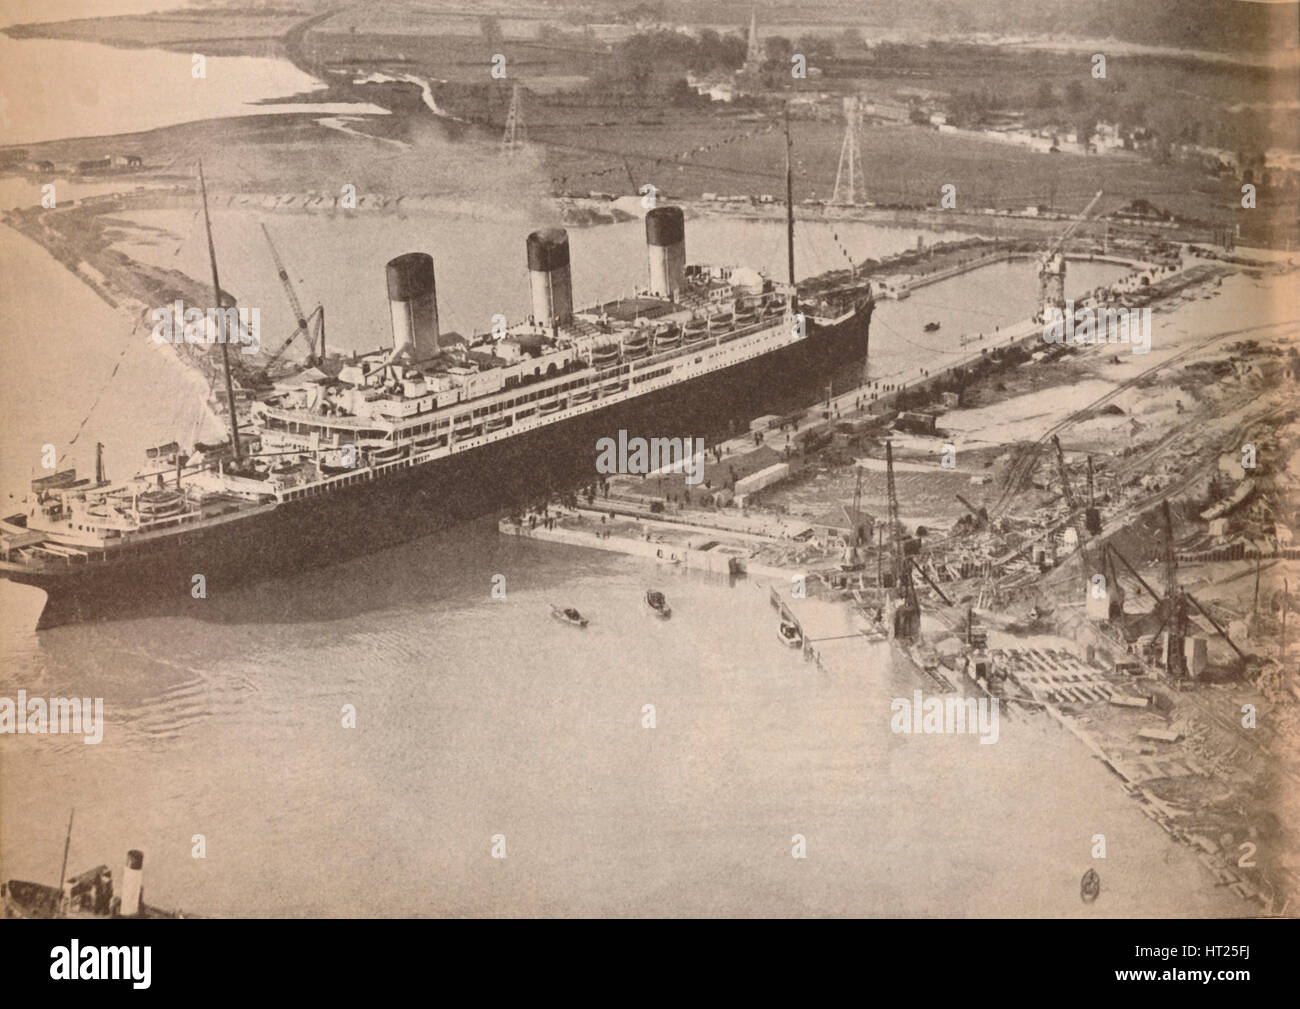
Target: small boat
(88,895)
(1089,886)
(930,327)
(159,504)
(658,602)
(789,634)
(429,441)
(666,339)
(637,346)
(384,455)
(568,615)
(606,354)
(497,423)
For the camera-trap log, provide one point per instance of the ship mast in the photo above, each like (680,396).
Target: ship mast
(63,870)
(216,301)
(789,207)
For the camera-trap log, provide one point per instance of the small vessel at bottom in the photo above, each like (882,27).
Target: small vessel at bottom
(658,602)
(789,634)
(87,895)
(568,615)
(1089,886)
(931,327)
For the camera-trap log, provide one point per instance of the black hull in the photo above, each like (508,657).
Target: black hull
(407,503)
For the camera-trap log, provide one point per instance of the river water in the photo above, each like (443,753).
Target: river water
(478,716)
(55,89)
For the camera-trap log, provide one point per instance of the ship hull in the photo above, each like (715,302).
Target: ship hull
(406,503)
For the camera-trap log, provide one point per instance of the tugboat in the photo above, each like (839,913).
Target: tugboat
(659,603)
(931,327)
(789,634)
(87,895)
(568,615)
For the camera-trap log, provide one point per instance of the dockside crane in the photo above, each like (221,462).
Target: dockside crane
(1072,502)
(1173,604)
(1051,267)
(303,321)
(904,607)
(857,511)
(1175,618)
(1092,514)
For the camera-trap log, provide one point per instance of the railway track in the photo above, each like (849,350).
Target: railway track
(1027,458)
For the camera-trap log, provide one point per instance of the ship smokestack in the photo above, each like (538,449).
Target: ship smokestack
(665,236)
(132,884)
(413,299)
(548,274)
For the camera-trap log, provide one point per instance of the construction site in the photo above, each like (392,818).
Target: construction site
(1096,537)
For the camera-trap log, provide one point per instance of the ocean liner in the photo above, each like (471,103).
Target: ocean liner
(359,452)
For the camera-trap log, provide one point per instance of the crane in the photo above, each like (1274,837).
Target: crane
(1091,514)
(930,581)
(299,317)
(905,608)
(1175,604)
(1175,600)
(857,513)
(1051,267)
(1080,527)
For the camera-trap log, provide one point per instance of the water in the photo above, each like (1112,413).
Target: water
(56,89)
(478,717)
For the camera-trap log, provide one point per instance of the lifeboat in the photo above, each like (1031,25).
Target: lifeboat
(637,346)
(668,338)
(694,332)
(497,423)
(160,504)
(390,454)
(584,396)
(429,441)
(551,407)
(723,320)
(607,354)
(746,317)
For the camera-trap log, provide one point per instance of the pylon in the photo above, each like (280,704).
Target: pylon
(514,138)
(849,180)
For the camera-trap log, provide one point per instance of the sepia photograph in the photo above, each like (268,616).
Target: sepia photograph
(677,459)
